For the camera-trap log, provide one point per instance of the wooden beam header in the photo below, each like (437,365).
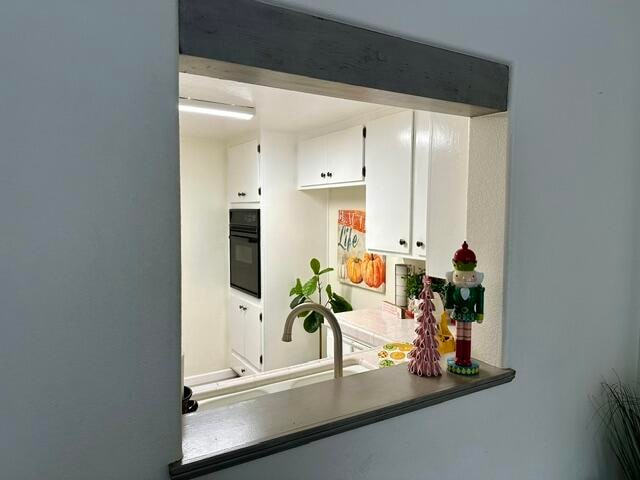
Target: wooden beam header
(251,41)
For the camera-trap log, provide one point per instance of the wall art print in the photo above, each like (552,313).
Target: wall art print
(356,266)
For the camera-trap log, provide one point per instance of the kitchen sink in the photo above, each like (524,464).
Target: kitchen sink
(285,381)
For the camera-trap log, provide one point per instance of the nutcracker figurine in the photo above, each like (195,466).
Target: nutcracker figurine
(464,300)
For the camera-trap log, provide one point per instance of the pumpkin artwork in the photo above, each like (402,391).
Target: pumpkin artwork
(354,269)
(373,270)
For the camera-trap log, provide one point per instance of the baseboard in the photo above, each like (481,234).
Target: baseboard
(210,377)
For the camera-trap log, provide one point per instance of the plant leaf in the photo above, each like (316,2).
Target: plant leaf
(315,265)
(297,289)
(339,304)
(297,301)
(329,292)
(312,322)
(325,270)
(309,288)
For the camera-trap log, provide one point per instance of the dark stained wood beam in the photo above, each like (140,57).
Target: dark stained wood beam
(252,42)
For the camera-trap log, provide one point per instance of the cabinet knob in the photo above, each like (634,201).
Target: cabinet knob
(419,244)
(323,175)
(242,194)
(329,174)
(403,242)
(239,194)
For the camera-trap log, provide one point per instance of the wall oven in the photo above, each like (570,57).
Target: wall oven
(244,250)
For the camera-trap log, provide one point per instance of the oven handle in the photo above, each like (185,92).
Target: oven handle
(253,238)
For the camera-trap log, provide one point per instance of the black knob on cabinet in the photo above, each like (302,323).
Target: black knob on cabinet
(403,242)
(239,194)
(322,175)
(329,174)
(242,194)
(419,244)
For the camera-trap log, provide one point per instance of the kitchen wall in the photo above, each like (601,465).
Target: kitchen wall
(350,198)
(486,225)
(204,244)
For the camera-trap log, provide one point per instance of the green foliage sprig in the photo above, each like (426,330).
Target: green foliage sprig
(305,292)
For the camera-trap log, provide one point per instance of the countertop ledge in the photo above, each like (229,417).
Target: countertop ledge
(233,434)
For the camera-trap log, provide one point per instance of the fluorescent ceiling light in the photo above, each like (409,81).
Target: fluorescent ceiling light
(218,109)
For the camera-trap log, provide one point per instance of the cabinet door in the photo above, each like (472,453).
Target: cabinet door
(236,320)
(243,173)
(448,181)
(388,158)
(421,155)
(253,334)
(312,162)
(345,155)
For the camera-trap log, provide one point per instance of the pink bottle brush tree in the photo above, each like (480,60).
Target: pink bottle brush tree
(424,358)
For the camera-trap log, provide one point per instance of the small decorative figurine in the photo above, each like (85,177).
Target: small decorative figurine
(464,300)
(424,358)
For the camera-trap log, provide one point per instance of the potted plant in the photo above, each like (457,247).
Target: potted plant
(413,287)
(312,291)
(619,411)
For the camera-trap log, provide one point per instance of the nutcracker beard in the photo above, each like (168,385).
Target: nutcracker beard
(463,344)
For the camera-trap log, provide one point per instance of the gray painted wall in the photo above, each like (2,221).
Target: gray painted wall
(89,222)
(89,271)
(575,148)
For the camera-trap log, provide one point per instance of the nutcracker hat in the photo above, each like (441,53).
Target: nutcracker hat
(464,259)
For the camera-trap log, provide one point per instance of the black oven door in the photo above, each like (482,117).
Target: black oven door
(244,256)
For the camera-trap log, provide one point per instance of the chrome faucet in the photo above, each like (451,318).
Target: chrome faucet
(335,327)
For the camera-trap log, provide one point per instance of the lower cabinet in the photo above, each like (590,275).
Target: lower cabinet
(245,329)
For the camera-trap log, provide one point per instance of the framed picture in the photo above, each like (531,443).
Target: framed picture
(357,266)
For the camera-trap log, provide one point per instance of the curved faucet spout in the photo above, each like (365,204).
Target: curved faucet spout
(329,317)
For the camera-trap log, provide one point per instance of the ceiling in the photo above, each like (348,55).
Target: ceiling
(281,110)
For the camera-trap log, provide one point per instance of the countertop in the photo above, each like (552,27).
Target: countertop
(221,437)
(376,327)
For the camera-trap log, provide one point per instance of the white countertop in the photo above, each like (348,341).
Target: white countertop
(376,327)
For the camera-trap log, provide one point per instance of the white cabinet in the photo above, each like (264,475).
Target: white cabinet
(243,173)
(421,154)
(417,202)
(389,163)
(447,185)
(245,329)
(335,159)
(312,162)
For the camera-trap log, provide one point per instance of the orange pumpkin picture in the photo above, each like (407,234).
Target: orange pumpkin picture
(373,270)
(356,266)
(354,269)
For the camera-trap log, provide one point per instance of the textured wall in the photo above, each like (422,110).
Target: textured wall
(486,221)
(204,245)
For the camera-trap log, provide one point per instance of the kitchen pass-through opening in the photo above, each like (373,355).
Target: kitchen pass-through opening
(303,179)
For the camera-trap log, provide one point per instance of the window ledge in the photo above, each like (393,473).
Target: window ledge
(233,434)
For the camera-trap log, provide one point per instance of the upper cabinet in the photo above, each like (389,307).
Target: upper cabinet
(335,159)
(243,170)
(389,163)
(416,196)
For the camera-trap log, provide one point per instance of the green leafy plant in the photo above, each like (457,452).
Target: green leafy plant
(414,283)
(307,291)
(619,410)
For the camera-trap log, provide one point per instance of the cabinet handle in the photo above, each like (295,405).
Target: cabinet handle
(239,194)
(419,244)
(329,174)
(322,175)
(403,242)
(242,194)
